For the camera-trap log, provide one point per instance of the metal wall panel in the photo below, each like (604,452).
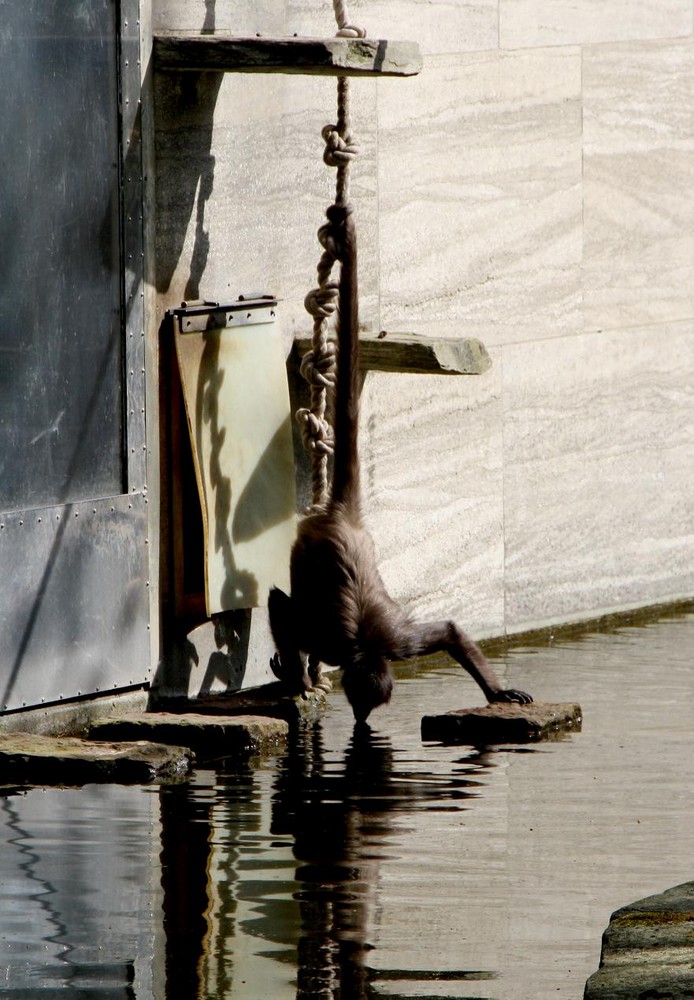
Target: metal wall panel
(61,345)
(77,623)
(74,606)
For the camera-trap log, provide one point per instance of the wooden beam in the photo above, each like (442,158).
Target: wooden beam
(183,51)
(413,353)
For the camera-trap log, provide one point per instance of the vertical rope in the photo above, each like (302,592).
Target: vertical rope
(318,364)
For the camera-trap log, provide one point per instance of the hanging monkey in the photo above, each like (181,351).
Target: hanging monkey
(339,612)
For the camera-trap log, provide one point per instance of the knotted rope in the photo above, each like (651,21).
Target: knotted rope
(318,365)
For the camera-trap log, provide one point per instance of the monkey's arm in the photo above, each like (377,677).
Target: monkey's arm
(435,637)
(289,663)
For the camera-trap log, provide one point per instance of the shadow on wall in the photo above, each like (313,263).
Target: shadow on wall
(184,102)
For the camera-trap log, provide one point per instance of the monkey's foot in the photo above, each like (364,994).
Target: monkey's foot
(276,667)
(295,681)
(318,679)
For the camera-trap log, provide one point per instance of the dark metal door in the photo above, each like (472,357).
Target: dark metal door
(73,566)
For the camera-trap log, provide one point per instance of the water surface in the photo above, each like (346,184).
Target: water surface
(364,863)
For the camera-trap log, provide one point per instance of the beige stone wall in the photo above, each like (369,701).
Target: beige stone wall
(533,187)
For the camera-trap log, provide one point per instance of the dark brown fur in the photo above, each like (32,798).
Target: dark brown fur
(339,612)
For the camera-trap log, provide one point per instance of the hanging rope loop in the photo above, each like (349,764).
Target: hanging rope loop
(345,29)
(319,365)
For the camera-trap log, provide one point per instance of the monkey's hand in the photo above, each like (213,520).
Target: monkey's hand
(510,694)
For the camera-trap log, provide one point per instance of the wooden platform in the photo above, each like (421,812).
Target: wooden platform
(186,51)
(503,723)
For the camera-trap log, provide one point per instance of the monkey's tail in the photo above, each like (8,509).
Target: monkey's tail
(346,485)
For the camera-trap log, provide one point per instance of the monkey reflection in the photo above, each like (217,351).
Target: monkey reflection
(340,818)
(339,611)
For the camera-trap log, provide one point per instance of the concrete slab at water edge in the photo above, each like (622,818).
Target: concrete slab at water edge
(267,701)
(27,759)
(208,736)
(647,950)
(503,722)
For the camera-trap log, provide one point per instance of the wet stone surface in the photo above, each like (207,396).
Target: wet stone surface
(267,701)
(503,723)
(648,950)
(209,736)
(27,759)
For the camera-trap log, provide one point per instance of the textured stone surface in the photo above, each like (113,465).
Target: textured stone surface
(503,723)
(480,207)
(268,702)
(62,760)
(568,22)
(208,736)
(310,56)
(597,498)
(639,199)
(530,188)
(647,950)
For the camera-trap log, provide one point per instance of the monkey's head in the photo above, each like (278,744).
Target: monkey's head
(368,683)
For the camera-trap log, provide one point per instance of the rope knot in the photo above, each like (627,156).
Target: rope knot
(316,432)
(322,302)
(346,30)
(339,151)
(351,31)
(318,365)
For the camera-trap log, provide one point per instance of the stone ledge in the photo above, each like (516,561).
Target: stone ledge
(414,353)
(503,722)
(27,759)
(186,51)
(208,736)
(648,949)
(268,701)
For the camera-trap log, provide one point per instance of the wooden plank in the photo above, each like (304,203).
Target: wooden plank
(181,51)
(413,353)
(503,722)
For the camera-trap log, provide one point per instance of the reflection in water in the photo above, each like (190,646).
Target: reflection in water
(75,894)
(338,815)
(359,863)
(342,820)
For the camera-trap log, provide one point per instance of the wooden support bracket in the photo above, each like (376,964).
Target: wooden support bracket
(181,51)
(413,353)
